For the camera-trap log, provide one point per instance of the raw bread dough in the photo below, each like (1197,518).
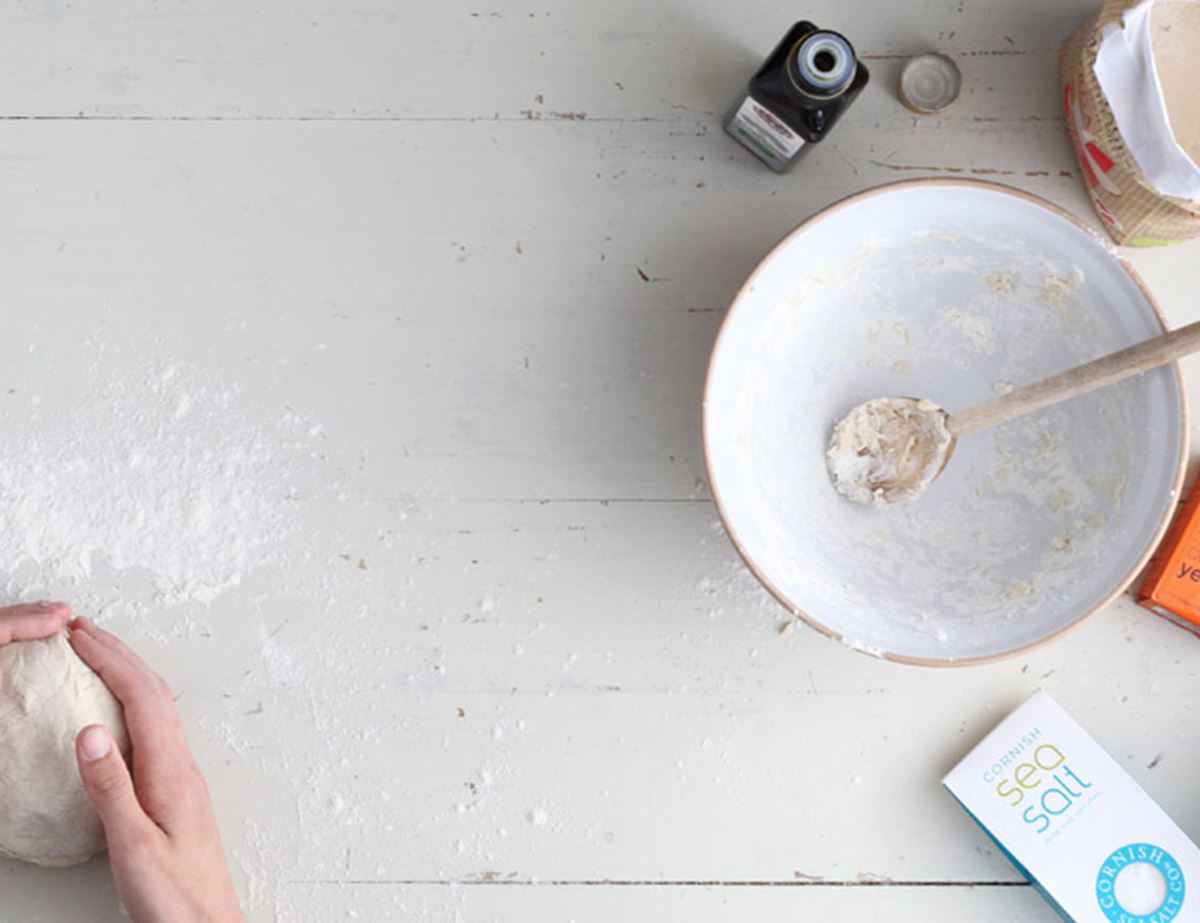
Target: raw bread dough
(47,695)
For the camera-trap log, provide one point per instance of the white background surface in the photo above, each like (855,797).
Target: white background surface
(498,661)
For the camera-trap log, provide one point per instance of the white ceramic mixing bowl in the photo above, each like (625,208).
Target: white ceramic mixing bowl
(951,290)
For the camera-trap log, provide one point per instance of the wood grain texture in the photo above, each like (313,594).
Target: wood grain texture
(487,249)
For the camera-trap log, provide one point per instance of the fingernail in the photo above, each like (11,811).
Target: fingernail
(46,605)
(95,744)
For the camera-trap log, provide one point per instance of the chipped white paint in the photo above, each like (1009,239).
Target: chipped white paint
(504,656)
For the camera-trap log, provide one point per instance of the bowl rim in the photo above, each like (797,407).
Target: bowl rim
(810,620)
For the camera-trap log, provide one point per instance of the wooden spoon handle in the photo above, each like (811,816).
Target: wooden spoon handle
(1106,370)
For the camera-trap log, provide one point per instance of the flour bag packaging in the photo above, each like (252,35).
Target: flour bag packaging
(1130,100)
(1075,824)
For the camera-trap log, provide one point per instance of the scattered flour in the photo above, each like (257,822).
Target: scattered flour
(161,475)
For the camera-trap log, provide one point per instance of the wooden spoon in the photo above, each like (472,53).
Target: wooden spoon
(890,449)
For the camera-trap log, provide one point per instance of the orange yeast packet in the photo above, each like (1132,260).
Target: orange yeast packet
(1172,584)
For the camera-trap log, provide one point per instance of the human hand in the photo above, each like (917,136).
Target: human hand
(163,843)
(30,621)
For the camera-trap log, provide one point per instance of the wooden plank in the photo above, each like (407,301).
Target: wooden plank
(57,896)
(700,904)
(648,722)
(525,339)
(460,59)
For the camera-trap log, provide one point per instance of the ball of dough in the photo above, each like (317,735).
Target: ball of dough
(47,696)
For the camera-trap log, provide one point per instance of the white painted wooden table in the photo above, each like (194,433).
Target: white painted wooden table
(458,266)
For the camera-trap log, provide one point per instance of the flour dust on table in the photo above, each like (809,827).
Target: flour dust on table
(149,490)
(154,483)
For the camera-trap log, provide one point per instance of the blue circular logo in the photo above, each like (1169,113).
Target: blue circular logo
(1140,883)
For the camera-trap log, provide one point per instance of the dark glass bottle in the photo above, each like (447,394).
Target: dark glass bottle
(797,96)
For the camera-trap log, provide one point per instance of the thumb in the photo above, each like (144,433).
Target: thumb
(108,783)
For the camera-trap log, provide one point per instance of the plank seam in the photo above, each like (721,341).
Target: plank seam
(663,883)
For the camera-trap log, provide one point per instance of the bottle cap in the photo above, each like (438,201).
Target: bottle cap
(929,83)
(825,63)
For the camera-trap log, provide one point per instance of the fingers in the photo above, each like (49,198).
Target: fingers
(149,709)
(110,788)
(30,621)
(118,647)
(160,754)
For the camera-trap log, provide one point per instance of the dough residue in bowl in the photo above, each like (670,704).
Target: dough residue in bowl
(888,450)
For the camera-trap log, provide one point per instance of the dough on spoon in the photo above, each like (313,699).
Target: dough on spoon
(888,450)
(47,696)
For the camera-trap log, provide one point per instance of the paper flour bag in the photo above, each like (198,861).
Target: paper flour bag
(1132,107)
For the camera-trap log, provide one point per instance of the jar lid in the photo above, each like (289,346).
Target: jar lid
(929,83)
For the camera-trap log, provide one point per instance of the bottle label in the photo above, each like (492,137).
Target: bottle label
(757,127)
